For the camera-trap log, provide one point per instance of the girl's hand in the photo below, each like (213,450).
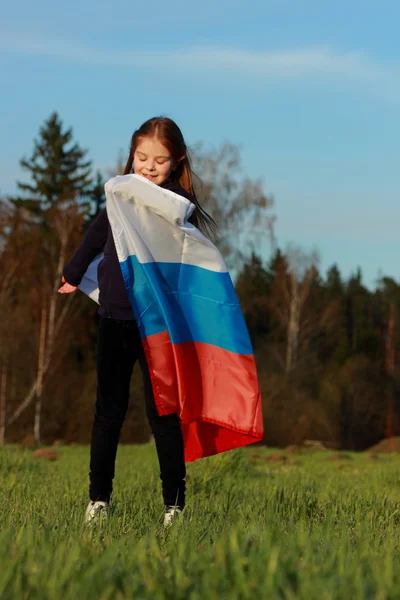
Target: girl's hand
(67,288)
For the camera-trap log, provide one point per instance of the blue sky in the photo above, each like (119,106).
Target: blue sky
(309,89)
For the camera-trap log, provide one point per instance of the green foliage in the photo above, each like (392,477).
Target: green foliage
(306,528)
(253,288)
(58,168)
(327,349)
(97,195)
(342,386)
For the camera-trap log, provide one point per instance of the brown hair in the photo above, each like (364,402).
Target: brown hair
(169,134)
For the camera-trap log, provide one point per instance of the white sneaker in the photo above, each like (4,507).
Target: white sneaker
(96,511)
(171,514)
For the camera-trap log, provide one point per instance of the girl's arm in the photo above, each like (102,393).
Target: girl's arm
(92,244)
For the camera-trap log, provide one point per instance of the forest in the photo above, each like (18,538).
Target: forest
(326,347)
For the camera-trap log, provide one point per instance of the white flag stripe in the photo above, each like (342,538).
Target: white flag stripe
(152,217)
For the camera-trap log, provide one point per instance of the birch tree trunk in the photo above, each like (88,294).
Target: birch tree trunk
(300,277)
(40,375)
(49,329)
(293,324)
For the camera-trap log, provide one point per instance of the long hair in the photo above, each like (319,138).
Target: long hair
(170,136)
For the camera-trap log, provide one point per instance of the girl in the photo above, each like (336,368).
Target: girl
(158,152)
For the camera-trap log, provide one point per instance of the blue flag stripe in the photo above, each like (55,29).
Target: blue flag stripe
(192,303)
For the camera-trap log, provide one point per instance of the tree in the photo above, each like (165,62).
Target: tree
(48,311)
(253,289)
(9,264)
(97,195)
(237,203)
(389,294)
(58,169)
(364,400)
(46,225)
(327,349)
(334,346)
(363,336)
(302,271)
(294,277)
(334,280)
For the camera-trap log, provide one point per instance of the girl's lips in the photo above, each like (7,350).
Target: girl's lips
(150,177)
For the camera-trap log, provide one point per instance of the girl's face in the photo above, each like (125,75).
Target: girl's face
(152,160)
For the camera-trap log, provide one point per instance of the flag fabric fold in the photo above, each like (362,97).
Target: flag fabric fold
(193,332)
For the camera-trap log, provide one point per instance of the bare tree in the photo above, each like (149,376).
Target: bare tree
(238,204)
(53,310)
(296,272)
(302,271)
(8,265)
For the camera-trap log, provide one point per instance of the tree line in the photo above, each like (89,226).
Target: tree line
(326,348)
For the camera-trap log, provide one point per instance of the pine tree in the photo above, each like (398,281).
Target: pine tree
(253,290)
(362,331)
(97,195)
(52,209)
(277,267)
(58,169)
(334,280)
(335,346)
(253,280)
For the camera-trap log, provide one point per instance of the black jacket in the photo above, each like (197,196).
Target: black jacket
(113,297)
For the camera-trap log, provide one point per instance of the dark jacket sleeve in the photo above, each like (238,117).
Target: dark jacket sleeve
(92,244)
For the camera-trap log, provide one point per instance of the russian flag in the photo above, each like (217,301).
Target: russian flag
(194,335)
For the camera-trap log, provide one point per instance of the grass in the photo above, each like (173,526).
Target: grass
(308,528)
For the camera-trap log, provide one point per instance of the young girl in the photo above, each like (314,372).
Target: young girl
(158,152)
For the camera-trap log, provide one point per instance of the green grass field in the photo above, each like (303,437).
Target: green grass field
(310,528)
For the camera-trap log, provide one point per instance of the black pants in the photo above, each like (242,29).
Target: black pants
(119,346)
